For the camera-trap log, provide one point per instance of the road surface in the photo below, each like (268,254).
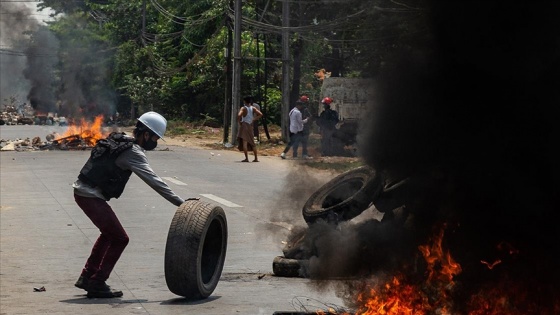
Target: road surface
(45,237)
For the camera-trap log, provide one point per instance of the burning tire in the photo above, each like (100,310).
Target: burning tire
(285,267)
(196,249)
(344,197)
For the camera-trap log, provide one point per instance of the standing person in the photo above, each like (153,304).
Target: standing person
(256,122)
(103,177)
(327,122)
(306,127)
(296,130)
(246,117)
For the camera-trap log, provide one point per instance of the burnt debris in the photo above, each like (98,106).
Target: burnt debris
(467,115)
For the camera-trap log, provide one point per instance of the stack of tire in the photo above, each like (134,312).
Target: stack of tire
(341,199)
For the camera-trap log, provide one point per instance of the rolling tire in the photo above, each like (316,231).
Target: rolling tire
(196,249)
(344,197)
(285,267)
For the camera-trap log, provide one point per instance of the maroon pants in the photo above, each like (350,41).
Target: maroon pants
(109,245)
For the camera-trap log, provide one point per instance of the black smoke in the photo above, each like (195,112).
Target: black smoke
(28,58)
(470,115)
(66,70)
(42,58)
(14,23)
(466,111)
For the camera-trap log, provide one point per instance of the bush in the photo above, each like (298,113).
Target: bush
(176,127)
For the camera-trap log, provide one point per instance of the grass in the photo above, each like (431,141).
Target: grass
(177,128)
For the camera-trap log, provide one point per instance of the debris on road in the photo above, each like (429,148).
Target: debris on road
(53,142)
(41,289)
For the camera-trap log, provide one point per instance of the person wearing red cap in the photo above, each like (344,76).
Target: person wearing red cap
(327,122)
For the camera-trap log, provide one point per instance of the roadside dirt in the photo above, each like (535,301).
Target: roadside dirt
(212,138)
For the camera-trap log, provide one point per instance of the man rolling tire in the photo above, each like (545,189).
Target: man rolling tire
(103,177)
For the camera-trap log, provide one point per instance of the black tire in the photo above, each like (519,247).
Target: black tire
(285,267)
(196,249)
(344,197)
(394,195)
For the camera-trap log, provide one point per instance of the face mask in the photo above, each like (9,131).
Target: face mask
(150,144)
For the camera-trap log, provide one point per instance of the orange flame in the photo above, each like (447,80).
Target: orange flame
(491,265)
(434,255)
(401,296)
(397,297)
(90,132)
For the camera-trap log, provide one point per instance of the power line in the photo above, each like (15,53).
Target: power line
(196,19)
(334,25)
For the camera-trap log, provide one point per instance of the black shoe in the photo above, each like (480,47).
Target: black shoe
(99,289)
(82,283)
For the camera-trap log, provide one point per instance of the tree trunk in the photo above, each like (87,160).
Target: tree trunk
(296,82)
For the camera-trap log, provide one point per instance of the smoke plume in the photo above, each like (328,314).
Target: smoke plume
(15,21)
(298,186)
(467,112)
(66,72)
(469,116)
(39,71)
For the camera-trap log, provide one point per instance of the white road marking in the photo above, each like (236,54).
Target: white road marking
(174,181)
(222,201)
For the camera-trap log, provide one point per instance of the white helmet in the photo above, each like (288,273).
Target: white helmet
(155,122)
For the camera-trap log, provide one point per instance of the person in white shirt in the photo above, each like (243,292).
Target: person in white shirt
(256,122)
(247,115)
(296,130)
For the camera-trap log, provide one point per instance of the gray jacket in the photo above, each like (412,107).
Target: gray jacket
(134,160)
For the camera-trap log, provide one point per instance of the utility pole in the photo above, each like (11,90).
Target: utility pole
(285,69)
(236,86)
(227,102)
(132,113)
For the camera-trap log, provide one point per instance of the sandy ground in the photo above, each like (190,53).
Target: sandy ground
(212,138)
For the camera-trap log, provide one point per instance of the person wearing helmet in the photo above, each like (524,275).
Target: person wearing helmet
(104,177)
(327,123)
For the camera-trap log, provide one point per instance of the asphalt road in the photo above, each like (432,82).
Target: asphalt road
(45,237)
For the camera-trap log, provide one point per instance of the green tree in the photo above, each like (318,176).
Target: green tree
(170,56)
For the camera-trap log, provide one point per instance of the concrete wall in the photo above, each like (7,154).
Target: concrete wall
(351,96)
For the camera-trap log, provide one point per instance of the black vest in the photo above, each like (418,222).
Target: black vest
(100,169)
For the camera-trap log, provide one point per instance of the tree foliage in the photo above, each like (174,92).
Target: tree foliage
(169,55)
